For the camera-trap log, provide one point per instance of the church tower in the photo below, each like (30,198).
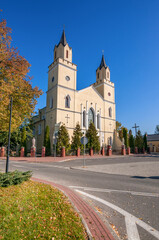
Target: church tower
(61,86)
(103,84)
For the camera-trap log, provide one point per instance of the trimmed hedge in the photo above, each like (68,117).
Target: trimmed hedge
(14,178)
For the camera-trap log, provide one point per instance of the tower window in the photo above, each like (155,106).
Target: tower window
(110,112)
(98,75)
(67,101)
(107,74)
(53,79)
(66,53)
(51,102)
(55,56)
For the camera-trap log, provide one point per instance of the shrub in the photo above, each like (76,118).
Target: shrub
(14,178)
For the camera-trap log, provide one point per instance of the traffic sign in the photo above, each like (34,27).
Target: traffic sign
(84,140)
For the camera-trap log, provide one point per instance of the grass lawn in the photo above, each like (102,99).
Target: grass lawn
(34,210)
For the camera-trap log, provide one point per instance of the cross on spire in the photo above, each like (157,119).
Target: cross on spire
(102,52)
(135,128)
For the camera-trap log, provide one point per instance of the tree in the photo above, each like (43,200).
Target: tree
(157,129)
(47,141)
(77,134)
(131,141)
(15,82)
(145,141)
(119,129)
(125,136)
(62,139)
(139,141)
(93,139)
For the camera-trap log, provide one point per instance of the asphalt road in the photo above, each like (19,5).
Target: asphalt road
(124,191)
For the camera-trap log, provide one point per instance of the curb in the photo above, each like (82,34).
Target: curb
(95,228)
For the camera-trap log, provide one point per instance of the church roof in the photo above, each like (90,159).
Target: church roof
(102,64)
(63,39)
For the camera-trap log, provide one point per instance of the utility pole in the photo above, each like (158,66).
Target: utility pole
(135,129)
(8,150)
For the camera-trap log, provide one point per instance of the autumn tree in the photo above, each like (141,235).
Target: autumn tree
(47,141)
(77,134)
(93,139)
(119,129)
(62,139)
(15,82)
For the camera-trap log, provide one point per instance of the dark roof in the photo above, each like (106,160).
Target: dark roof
(102,64)
(153,137)
(63,39)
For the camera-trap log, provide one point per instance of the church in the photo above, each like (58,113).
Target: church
(65,104)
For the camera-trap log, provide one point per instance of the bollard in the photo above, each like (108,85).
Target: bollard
(2,153)
(22,152)
(91,152)
(78,152)
(128,150)
(123,152)
(103,151)
(43,152)
(109,150)
(63,152)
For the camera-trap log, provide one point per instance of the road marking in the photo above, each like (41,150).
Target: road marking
(131,229)
(120,191)
(127,215)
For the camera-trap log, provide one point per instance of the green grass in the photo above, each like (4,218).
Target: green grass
(34,210)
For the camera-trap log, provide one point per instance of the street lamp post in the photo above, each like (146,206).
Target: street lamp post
(8,150)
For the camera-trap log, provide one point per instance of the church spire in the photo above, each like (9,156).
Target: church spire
(63,39)
(102,64)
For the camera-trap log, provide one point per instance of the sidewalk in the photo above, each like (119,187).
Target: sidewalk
(59,159)
(96,229)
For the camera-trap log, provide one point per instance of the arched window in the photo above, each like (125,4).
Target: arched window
(51,102)
(110,112)
(90,116)
(67,101)
(66,53)
(84,118)
(98,121)
(55,56)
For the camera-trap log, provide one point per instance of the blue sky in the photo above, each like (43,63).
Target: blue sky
(127,31)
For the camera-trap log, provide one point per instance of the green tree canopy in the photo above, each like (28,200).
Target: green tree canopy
(125,136)
(139,141)
(131,141)
(62,139)
(47,141)
(93,139)
(145,141)
(77,134)
(157,129)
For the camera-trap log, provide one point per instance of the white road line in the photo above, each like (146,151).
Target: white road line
(131,229)
(142,224)
(120,191)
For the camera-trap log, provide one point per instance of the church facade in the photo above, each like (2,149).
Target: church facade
(65,104)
